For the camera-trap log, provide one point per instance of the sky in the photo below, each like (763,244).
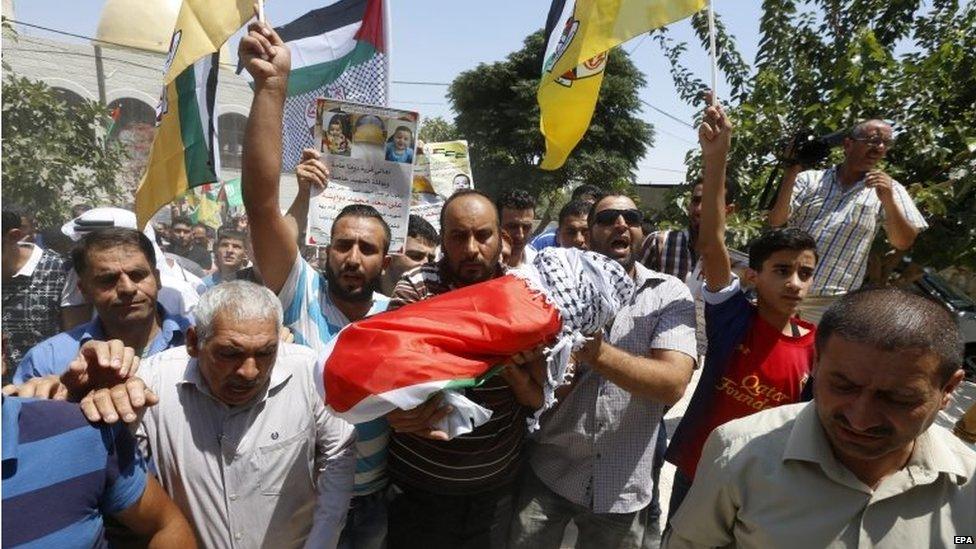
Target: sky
(435,40)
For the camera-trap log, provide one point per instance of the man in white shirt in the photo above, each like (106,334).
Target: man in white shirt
(240,438)
(862,465)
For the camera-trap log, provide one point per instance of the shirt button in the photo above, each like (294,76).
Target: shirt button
(238,536)
(233,497)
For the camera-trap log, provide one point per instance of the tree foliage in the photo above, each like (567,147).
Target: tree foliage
(825,64)
(437,129)
(498,114)
(54,152)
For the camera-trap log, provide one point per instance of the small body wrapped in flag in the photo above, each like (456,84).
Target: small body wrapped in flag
(455,340)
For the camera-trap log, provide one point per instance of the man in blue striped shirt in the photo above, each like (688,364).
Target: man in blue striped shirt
(841,207)
(62,475)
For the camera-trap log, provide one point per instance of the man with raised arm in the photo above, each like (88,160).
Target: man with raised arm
(316,306)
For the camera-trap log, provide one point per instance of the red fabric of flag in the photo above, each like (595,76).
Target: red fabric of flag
(458,335)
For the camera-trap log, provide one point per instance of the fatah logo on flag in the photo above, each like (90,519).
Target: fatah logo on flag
(340,52)
(579,36)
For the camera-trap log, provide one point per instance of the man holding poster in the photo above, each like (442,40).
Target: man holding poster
(317,306)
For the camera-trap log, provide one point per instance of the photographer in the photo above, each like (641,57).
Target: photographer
(841,208)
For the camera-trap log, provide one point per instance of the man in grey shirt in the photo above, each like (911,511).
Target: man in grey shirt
(239,436)
(591,462)
(863,465)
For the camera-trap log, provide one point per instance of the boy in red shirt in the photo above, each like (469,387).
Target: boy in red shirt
(759,356)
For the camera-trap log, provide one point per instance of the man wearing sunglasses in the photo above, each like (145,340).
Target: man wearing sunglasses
(841,207)
(591,461)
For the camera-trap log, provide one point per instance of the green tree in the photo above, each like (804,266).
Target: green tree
(825,64)
(437,129)
(498,114)
(54,152)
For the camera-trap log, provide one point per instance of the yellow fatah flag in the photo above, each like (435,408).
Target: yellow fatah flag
(184,152)
(579,36)
(202,26)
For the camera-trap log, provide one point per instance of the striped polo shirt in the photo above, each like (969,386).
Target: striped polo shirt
(844,222)
(481,460)
(314,319)
(62,475)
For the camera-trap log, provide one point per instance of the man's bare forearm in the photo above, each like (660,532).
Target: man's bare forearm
(781,208)
(645,377)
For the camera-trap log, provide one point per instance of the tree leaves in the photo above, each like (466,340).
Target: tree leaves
(498,114)
(54,153)
(826,64)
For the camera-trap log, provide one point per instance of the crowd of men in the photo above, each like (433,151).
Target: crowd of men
(206,347)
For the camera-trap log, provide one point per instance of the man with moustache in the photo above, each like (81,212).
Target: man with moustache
(234,425)
(117,274)
(591,460)
(459,492)
(863,465)
(316,306)
(841,207)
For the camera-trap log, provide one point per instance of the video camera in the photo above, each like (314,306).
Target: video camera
(807,148)
(804,148)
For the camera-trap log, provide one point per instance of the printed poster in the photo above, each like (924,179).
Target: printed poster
(442,169)
(370,152)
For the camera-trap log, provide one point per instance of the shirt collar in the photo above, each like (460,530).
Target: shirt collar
(11,424)
(645,278)
(27,269)
(172,330)
(932,454)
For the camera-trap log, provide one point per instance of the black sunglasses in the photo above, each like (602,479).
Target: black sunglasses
(633,218)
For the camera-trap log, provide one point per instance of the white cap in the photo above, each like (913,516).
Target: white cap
(102,218)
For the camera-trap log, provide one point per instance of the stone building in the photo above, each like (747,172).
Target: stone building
(122,68)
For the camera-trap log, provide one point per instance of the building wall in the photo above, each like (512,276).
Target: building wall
(128,73)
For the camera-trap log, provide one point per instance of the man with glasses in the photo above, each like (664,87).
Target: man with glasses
(841,207)
(591,460)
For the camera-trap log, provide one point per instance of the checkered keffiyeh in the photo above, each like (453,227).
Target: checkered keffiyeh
(588,289)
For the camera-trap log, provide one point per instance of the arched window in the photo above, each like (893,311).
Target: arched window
(230,138)
(69,97)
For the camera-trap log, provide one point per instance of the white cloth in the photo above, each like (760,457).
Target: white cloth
(275,472)
(588,289)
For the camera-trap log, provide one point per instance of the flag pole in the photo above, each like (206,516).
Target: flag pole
(711,47)
(261,18)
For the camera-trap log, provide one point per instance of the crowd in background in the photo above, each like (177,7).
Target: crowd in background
(206,342)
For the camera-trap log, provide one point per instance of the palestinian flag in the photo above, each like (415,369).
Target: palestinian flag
(339,51)
(452,341)
(184,152)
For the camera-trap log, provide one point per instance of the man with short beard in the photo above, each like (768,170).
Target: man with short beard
(316,307)
(459,492)
(591,459)
(862,465)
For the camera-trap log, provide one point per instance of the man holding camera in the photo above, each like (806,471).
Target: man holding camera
(841,208)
